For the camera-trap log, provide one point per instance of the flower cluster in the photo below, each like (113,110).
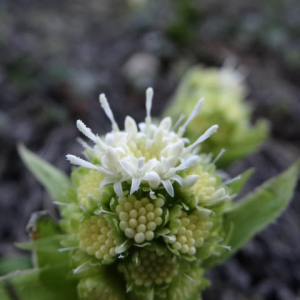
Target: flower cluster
(188,231)
(146,206)
(225,91)
(150,268)
(97,238)
(139,218)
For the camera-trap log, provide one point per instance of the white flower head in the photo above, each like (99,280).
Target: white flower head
(144,153)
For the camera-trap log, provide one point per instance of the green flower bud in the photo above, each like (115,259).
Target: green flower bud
(188,230)
(99,288)
(150,269)
(187,285)
(224,91)
(206,188)
(97,238)
(88,187)
(139,218)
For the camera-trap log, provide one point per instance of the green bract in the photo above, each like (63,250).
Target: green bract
(224,92)
(142,218)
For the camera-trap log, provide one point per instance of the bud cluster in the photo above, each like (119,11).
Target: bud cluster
(139,218)
(190,231)
(96,238)
(187,286)
(205,190)
(89,187)
(225,91)
(97,288)
(151,269)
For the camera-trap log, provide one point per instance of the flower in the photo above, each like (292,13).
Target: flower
(154,154)
(145,206)
(225,91)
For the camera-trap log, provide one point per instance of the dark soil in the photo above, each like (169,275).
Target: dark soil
(57,56)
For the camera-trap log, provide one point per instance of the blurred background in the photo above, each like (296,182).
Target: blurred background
(57,56)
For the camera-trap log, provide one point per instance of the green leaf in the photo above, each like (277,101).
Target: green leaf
(55,181)
(14,263)
(256,211)
(238,185)
(46,236)
(28,285)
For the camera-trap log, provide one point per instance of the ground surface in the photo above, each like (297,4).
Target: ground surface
(57,56)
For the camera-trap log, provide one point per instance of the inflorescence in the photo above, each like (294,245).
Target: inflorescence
(147,201)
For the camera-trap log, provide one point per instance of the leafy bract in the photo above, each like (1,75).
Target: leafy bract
(256,211)
(14,263)
(238,185)
(45,236)
(55,181)
(28,285)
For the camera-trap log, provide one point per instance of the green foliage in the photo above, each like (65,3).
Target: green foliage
(50,177)
(28,285)
(14,263)
(256,211)
(237,186)
(45,235)
(51,278)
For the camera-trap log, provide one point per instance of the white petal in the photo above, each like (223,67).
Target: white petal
(182,116)
(100,144)
(132,160)
(130,126)
(110,139)
(81,162)
(219,156)
(135,185)
(220,193)
(128,168)
(141,162)
(177,178)
(112,158)
(173,161)
(104,162)
(230,181)
(106,181)
(165,164)
(152,178)
(150,165)
(86,146)
(190,161)
(158,168)
(194,113)
(213,129)
(118,188)
(165,124)
(108,112)
(149,98)
(86,131)
(190,180)
(169,187)
(142,127)
(158,136)
(176,149)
